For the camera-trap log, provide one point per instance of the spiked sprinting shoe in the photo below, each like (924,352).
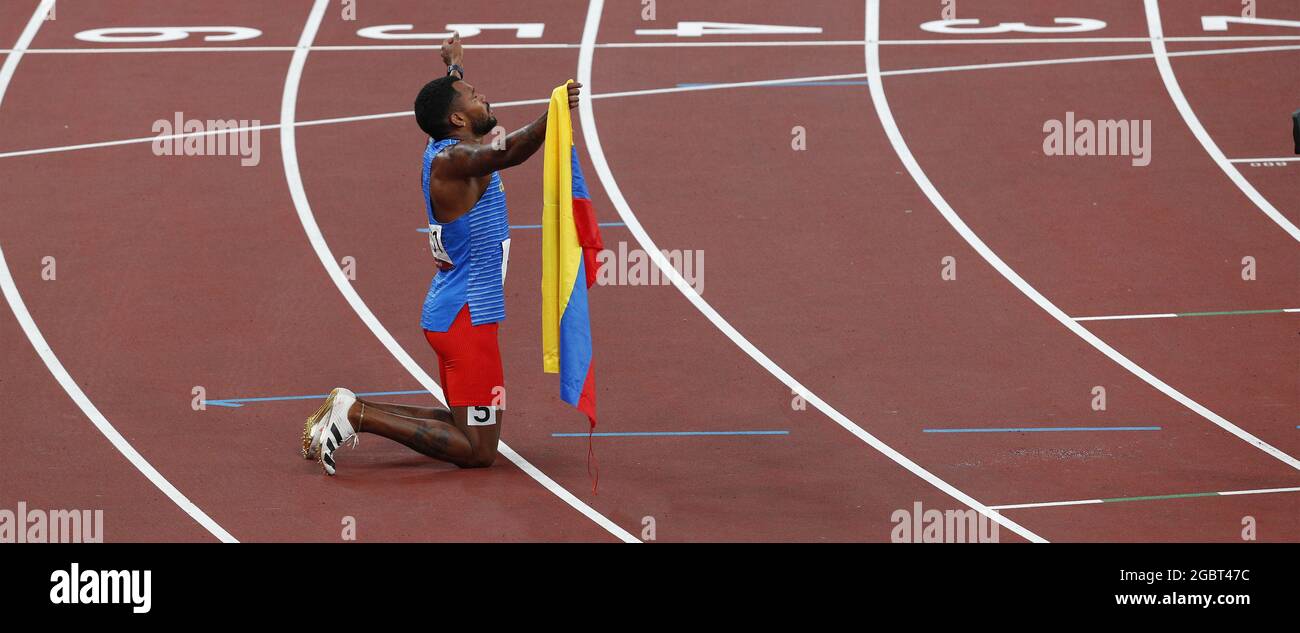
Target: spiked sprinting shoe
(339,400)
(336,430)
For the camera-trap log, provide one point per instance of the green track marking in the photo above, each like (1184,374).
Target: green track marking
(1228,313)
(1086,502)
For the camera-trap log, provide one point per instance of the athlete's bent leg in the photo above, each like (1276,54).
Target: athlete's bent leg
(469,365)
(422,413)
(456,441)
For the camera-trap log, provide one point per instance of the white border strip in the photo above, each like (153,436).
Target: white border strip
(591,138)
(1193,123)
(47,354)
(289,150)
(923,181)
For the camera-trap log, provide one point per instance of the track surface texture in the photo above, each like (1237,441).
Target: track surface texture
(908,301)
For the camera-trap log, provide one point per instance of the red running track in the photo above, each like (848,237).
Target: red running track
(178,272)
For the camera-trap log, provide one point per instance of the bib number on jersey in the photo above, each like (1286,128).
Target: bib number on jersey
(436,245)
(505,258)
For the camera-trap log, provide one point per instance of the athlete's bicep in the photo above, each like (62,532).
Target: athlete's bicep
(460,162)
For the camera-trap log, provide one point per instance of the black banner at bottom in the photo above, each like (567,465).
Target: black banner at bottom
(536,583)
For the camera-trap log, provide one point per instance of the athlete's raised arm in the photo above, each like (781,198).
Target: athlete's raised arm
(475,156)
(451,107)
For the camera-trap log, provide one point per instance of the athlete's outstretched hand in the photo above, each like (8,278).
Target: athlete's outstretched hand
(575,89)
(451,50)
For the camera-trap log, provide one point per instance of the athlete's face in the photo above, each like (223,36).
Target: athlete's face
(474,110)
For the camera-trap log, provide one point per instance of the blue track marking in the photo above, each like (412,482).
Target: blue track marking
(239,402)
(1046,429)
(671,433)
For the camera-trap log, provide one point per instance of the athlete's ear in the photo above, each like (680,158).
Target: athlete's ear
(458,119)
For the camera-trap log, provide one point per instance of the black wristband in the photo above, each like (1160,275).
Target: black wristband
(455,68)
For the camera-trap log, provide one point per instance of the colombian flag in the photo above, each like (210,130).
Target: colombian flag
(570,242)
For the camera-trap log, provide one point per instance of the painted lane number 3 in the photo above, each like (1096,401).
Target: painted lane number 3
(967,26)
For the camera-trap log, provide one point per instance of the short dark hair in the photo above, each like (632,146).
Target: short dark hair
(433,106)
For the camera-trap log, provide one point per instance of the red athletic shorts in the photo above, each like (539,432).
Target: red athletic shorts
(469,362)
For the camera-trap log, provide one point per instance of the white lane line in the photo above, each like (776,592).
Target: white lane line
(895,135)
(655,91)
(1046,504)
(407,113)
(1090,40)
(161,49)
(289,150)
(710,44)
(1082,502)
(46,353)
(237,130)
(1081,60)
(134,141)
(591,139)
(1288,159)
(1233,51)
(1262,491)
(1189,117)
(1119,317)
(1019,64)
(278,49)
(1168,315)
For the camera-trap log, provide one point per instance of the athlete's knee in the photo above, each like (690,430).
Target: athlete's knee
(482,460)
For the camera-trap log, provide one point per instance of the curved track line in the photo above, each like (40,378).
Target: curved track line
(1156,30)
(289,150)
(47,354)
(586,56)
(876,83)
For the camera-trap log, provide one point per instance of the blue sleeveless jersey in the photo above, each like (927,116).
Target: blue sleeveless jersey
(478,244)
